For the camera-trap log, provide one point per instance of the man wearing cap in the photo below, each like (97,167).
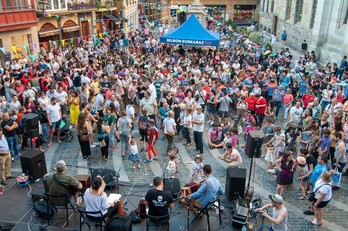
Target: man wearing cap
(62,182)
(198,127)
(54,116)
(279,216)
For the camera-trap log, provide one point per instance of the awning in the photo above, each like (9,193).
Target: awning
(71,28)
(113,18)
(48,33)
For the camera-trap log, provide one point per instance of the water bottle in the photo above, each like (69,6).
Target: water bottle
(244,228)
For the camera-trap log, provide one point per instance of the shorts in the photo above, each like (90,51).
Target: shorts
(143,134)
(55,125)
(224,114)
(63,109)
(321,204)
(234,164)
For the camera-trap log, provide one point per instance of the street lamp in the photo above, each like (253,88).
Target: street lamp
(43,5)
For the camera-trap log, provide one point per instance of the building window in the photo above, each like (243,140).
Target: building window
(343,16)
(288,9)
(263,5)
(314,12)
(56,5)
(30,41)
(13,41)
(267,6)
(272,6)
(299,10)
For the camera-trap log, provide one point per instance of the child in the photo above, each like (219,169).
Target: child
(196,174)
(270,156)
(133,155)
(175,152)
(234,137)
(172,167)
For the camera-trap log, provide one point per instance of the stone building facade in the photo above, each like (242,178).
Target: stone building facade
(322,23)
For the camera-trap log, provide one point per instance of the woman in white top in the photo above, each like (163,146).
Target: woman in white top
(326,96)
(187,126)
(323,194)
(169,127)
(278,141)
(96,200)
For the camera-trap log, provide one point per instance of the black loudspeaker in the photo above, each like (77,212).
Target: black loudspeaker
(31,120)
(172,185)
(34,164)
(235,183)
(108,175)
(254,144)
(32,133)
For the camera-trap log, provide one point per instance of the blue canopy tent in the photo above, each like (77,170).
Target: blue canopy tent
(191,33)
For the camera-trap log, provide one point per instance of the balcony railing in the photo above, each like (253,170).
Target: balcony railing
(81,6)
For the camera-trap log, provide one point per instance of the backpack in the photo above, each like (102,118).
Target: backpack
(43,207)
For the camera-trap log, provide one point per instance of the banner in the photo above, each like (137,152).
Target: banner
(14,49)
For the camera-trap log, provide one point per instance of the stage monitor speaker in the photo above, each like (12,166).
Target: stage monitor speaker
(31,133)
(30,121)
(235,183)
(254,144)
(108,175)
(34,164)
(172,185)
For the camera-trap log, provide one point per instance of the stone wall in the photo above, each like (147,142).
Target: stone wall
(326,37)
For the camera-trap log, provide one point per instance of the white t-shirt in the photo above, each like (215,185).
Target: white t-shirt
(61,97)
(133,149)
(54,112)
(169,124)
(296,113)
(129,111)
(152,89)
(188,121)
(325,189)
(198,117)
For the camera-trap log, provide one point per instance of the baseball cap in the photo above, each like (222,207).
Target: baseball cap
(276,198)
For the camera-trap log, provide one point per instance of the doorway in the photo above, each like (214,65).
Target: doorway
(85,28)
(275,24)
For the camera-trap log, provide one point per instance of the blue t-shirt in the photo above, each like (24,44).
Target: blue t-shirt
(317,171)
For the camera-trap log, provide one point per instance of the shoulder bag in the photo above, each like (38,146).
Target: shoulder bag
(312,194)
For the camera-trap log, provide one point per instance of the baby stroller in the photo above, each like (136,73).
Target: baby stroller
(65,132)
(292,130)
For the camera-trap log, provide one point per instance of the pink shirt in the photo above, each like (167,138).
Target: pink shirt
(288,98)
(235,156)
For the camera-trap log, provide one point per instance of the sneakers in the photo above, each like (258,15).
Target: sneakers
(211,122)
(93,146)
(147,161)
(315,222)
(12,159)
(4,182)
(208,122)
(95,143)
(155,158)
(308,212)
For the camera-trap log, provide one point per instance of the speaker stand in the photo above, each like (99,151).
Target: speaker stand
(249,178)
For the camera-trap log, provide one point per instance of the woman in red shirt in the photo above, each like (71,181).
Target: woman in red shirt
(287,100)
(260,106)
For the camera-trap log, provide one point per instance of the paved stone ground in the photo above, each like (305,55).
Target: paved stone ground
(335,213)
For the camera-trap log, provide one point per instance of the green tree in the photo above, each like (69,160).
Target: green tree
(255,37)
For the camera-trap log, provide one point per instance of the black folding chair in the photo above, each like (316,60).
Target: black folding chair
(60,201)
(158,223)
(86,217)
(215,204)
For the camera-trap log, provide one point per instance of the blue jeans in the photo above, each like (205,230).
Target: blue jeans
(12,144)
(112,135)
(278,106)
(286,112)
(124,137)
(44,128)
(186,133)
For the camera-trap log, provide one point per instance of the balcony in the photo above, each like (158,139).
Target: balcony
(81,6)
(14,18)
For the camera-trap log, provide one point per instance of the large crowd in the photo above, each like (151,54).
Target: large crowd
(108,88)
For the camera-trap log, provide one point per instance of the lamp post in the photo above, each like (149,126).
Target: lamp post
(43,6)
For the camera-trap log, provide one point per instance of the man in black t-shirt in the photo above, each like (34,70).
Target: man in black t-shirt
(159,200)
(9,128)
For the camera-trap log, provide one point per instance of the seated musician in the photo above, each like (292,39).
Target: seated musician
(96,200)
(208,192)
(158,200)
(63,183)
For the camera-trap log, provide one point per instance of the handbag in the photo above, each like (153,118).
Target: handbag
(336,177)
(169,132)
(311,197)
(84,138)
(102,143)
